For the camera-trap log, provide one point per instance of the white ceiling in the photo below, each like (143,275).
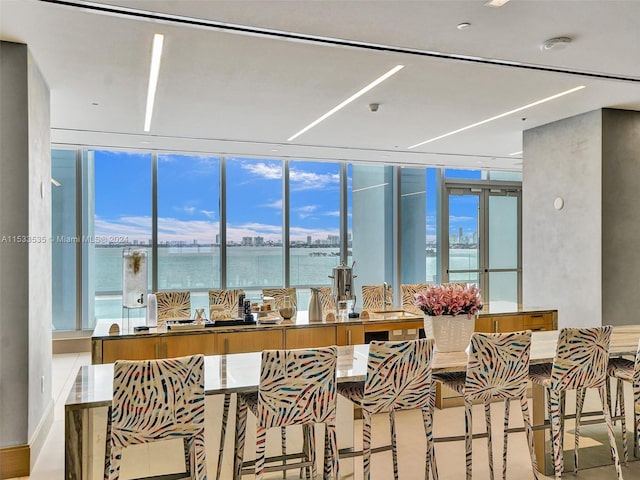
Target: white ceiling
(222,91)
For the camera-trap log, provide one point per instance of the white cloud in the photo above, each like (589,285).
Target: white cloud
(261,169)
(169,229)
(334,213)
(277,204)
(301,180)
(208,213)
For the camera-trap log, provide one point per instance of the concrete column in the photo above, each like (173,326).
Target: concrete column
(583,259)
(25,252)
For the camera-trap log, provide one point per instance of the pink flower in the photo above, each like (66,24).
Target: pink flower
(450,299)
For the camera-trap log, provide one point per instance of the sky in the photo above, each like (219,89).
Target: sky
(188,193)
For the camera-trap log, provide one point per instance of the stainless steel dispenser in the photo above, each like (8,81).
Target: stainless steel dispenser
(342,290)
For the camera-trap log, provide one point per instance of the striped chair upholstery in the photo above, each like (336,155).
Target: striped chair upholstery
(373,296)
(278,295)
(409,291)
(173,305)
(297,387)
(625,370)
(227,299)
(157,400)
(398,378)
(497,368)
(581,362)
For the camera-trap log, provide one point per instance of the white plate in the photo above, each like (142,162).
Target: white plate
(269,320)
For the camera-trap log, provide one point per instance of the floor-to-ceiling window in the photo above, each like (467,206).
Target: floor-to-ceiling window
(122,195)
(188,225)
(233,222)
(64,240)
(254,223)
(314,222)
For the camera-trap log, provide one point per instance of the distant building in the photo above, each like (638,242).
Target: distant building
(258,241)
(247,241)
(333,240)
(308,239)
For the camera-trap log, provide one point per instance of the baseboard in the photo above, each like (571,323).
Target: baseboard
(14,462)
(42,431)
(71,345)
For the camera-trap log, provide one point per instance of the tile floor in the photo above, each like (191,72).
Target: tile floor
(450,456)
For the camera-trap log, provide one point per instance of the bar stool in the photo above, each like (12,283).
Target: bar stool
(398,378)
(173,305)
(582,356)
(498,366)
(297,387)
(625,370)
(157,400)
(327,301)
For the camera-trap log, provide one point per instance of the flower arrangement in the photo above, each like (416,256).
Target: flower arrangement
(450,299)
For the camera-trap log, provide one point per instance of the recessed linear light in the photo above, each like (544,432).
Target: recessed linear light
(515,153)
(361,92)
(496,117)
(55,182)
(495,3)
(370,187)
(154,70)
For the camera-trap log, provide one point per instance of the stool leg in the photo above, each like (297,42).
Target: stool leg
(623,420)
(580,393)
(612,438)
(331,463)
(556,434)
(428,431)
(487,417)
(468,433)
(394,443)
(505,443)
(241,425)
(261,443)
(107,446)
(223,432)
(636,416)
(283,443)
(366,444)
(524,406)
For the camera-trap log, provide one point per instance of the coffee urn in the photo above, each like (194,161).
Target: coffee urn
(342,286)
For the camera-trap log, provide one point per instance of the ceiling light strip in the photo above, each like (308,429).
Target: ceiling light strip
(413,193)
(515,153)
(154,71)
(496,117)
(358,94)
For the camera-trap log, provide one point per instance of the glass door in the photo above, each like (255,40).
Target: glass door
(482,226)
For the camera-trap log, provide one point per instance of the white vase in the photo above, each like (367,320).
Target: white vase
(451,333)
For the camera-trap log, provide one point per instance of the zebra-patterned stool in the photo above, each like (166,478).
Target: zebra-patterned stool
(297,387)
(497,368)
(157,400)
(399,377)
(581,360)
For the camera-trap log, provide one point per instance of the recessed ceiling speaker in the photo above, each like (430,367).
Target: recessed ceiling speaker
(557,43)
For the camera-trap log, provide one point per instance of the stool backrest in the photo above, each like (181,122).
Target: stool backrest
(582,356)
(326,300)
(278,295)
(227,299)
(409,291)
(157,399)
(297,387)
(173,305)
(373,296)
(498,365)
(398,375)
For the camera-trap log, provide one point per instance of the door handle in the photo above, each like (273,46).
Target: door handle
(226,346)
(348,337)
(155,348)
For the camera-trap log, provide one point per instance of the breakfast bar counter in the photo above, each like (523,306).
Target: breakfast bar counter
(297,332)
